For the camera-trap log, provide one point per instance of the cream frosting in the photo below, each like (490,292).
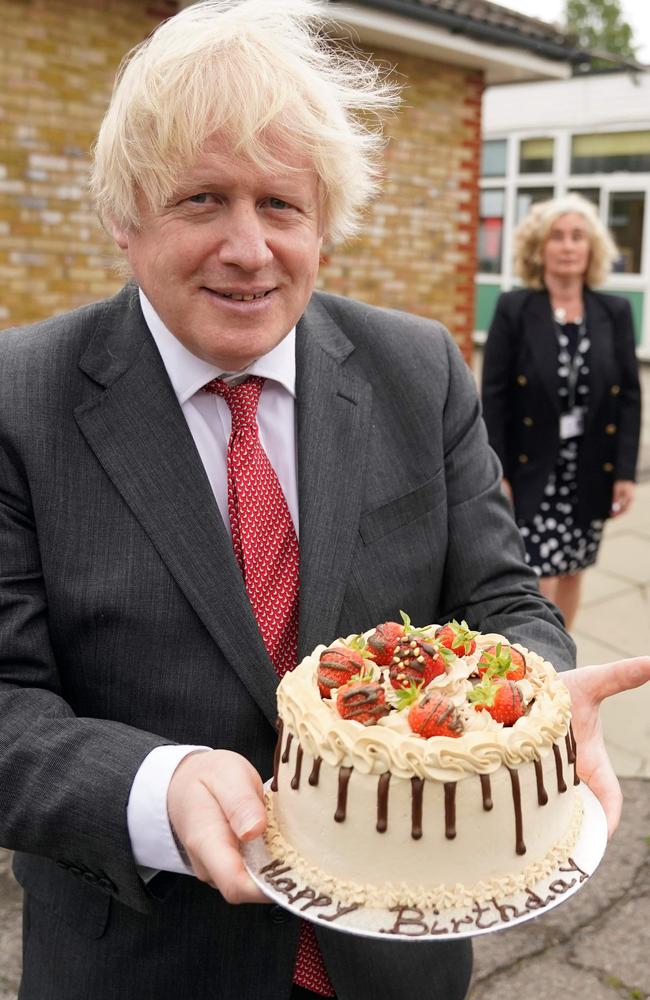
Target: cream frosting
(391,746)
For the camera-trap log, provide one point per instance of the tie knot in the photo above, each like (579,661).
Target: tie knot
(242,399)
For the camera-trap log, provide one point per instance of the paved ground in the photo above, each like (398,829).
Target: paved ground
(594,946)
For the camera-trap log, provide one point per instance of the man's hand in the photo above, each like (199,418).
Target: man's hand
(588,687)
(215,799)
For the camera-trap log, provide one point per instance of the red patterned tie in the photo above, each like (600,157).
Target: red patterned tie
(266,549)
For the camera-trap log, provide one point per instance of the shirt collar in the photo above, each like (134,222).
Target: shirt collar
(189,373)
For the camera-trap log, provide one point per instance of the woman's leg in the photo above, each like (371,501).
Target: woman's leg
(567,595)
(564,592)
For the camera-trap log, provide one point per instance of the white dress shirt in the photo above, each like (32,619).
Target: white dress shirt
(209,421)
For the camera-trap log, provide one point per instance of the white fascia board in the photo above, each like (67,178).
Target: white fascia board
(500,64)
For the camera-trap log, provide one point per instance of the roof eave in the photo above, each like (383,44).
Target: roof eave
(423,36)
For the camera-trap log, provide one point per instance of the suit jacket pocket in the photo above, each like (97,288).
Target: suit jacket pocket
(78,904)
(374,524)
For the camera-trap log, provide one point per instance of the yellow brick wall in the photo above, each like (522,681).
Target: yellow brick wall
(418,249)
(57,63)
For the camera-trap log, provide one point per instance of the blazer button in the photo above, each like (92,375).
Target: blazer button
(615,389)
(278,915)
(528,421)
(610,429)
(522,380)
(523,459)
(608,467)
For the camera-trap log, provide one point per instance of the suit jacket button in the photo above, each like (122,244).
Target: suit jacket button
(608,467)
(615,389)
(523,459)
(528,421)
(90,878)
(278,915)
(522,380)
(105,884)
(610,429)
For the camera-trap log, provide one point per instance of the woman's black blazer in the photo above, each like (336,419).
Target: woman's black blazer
(521,404)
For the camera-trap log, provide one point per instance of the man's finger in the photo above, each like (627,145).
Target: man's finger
(605,679)
(214,853)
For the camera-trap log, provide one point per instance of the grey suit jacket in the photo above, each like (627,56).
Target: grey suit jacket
(124,623)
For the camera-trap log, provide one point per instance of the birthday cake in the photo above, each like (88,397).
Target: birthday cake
(426,766)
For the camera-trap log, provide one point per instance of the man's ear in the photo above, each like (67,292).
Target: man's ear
(119,234)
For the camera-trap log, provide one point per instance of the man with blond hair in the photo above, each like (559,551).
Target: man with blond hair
(146,607)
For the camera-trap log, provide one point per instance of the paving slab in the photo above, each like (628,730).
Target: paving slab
(629,558)
(621,622)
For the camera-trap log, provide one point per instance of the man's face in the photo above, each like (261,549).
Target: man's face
(230,263)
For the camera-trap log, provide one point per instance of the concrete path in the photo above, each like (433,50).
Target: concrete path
(594,946)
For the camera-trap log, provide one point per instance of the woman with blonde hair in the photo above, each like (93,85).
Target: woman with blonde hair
(561,394)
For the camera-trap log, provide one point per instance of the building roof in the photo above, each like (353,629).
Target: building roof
(488,22)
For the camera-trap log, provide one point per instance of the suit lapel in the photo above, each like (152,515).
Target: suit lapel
(542,342)
(136,429)
(333,416)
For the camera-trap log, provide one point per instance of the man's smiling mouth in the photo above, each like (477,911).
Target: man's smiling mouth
(242,296)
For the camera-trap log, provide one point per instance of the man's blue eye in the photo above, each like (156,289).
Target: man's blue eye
(278,203)
(199,199)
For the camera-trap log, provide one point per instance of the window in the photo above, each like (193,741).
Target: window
(536,156)
(610,151)
(490,234)
(530,196)
(626,211)
(493,158)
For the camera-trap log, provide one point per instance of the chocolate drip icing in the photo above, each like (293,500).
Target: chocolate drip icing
(276,757)
(516,800)
(382,802)
(342,801)
(561,783)
(295,781)
(574,758)
(315,771)
(450,809)
(285,755)
(542,794)
(417,786)
(486,789)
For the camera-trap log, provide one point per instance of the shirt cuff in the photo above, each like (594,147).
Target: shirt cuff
(152,840)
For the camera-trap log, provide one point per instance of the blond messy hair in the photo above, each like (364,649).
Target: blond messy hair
(532,232)
(263,75)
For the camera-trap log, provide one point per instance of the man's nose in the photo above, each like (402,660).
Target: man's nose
(244,240)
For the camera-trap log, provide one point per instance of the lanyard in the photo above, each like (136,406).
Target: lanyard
(571,363)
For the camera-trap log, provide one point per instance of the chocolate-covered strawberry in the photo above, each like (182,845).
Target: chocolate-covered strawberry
(363,701)
(337,666)
(435,715)
(382,642)
(501,698)
(458,637)
(502,661)
(417,660)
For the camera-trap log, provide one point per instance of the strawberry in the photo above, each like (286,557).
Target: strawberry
(362,700)
(435,715)
(458,637)
(502,661)
(339,664)
(417,659)
(501,698)
(382,642)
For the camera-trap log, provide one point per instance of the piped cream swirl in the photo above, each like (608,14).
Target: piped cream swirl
(375,749)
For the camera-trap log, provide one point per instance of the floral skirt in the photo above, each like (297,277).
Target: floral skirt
(555,544)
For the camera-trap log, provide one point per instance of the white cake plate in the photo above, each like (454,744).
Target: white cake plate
(284,886)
